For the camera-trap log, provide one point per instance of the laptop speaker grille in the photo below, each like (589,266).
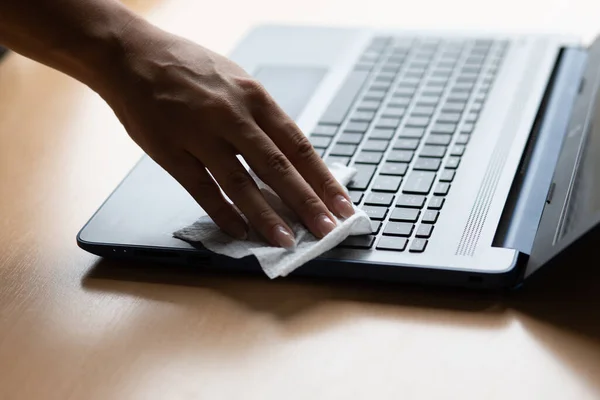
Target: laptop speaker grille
(481,206)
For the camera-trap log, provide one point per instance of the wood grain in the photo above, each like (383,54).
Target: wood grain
(75,327)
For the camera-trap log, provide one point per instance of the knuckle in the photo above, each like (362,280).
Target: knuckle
(329,186)
(277,164)
(266,216)
(251,87)
(311,204)
(237,181)
(304,150)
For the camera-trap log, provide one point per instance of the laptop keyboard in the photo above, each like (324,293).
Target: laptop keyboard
(403,118)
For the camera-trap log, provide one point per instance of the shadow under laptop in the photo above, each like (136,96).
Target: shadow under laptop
(567,300)
(286,298)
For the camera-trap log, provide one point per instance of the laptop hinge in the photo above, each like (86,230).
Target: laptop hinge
(531,187)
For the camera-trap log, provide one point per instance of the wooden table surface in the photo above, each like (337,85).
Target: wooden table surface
(75,327)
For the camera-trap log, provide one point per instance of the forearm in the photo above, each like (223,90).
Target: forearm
(82,38)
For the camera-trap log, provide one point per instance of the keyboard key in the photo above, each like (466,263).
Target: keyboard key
(437,139)
(471,117)
(406,144)
(477,106)
(424,231)
(433,151)
(385,77)
(320,141)
(467,128)
(355,196)
(320,152)
(358,242)
(364,174)
(376,145)
(404,92)
(369,157)
(449,117)
(427,164)
(387,183)
(426,111)
(324,130)
(418,245)
(411,201)
(343,150)
(405,214)
(458,96)
(330,160)
(430,216)
(443,128)
(453,108)
(442,189)
(419,182)
(398,229)
(417,121)
(409,82)
(436,203)
(452,162)
(399,102)
(358,127)
(375,213)
(379,86)
(362,116)
(386,134)
(393,168)
(374,95)
(392,243)
(379,199)
(412,132)
(388,123)
(404,156)
(393,65)
(394,112)
(432,91)
(458,150)
(369,105)
(340,105)
(428,100)
(436,82)
(375,227)
(463,138)
(350,138)
(447,175)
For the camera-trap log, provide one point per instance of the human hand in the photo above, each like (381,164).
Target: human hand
(193,111)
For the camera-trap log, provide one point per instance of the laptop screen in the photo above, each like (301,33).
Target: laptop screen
(584,199)
(573,205)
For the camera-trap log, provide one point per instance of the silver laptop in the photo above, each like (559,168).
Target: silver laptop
(476,155)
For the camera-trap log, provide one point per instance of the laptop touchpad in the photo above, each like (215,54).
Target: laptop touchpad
(290,86)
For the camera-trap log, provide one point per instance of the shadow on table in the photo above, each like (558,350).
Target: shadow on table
(567,297)
(286,298)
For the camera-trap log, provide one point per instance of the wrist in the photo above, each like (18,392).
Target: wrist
(103,60)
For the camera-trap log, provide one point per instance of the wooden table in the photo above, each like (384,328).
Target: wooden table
(75,327)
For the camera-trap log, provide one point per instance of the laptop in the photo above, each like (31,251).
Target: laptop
(477,156)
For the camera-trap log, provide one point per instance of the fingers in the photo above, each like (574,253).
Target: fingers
(273,167)
(243,191)
(297,148)
(194,177)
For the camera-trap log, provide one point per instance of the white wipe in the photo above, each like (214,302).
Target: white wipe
(276,261)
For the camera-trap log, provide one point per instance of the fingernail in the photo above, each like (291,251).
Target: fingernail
(342,206)
(324,224)
(284,238)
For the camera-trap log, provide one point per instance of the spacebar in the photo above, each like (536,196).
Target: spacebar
(339,107)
